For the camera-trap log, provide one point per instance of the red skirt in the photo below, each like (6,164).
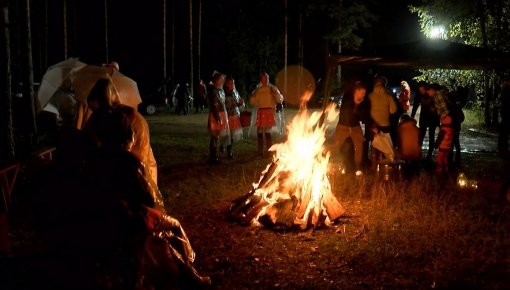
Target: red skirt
(234,122)
(214,126)
(265,118)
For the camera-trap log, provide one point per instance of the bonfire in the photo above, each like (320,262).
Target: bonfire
(294,189)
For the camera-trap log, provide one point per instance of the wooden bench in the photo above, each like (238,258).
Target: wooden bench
(45,153)
(7,180)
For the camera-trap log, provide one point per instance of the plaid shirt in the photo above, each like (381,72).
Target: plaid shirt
(440,103)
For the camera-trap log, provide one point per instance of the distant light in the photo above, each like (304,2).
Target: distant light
(437,32)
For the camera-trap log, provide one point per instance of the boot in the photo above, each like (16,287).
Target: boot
(260,143)
(269,143)
(198,281)
(213,154)
(230,155)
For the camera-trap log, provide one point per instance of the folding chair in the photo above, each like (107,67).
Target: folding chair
(7,180)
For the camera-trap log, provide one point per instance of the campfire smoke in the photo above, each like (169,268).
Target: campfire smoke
(294,189)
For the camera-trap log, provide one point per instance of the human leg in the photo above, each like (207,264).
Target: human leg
(456,144)
(432,133)
(213,147)
(269,141)
(357,139)
(229,148)
(260,142)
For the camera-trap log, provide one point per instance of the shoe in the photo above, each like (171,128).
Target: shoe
(230,156)
(200,280)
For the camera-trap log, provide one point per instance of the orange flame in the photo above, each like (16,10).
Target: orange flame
(301,174)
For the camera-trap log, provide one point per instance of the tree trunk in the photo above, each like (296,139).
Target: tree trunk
(191,78)
(164,46)
(199,48)
(28,74)
(45,44)
(339,51)
(286,52)
(173,45)
(65,28)
(106,30)
(6,138)
(486,84)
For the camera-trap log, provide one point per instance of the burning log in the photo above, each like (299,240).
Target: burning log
(294,190)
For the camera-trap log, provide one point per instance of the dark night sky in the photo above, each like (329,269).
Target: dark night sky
(135,36)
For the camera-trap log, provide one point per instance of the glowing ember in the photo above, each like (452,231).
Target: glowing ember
(294,189)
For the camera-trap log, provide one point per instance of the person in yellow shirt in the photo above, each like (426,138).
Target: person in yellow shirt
(265,98)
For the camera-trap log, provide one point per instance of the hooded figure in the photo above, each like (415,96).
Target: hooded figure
(265,98)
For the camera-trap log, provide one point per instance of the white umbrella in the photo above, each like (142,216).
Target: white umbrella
(55,77)
(127,89)
(83,81)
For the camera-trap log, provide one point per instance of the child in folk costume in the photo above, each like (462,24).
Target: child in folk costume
(233,104)
(404,96)
(218,118)
(265,97)
(444,144)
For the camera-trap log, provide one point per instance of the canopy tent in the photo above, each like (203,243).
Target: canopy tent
(421,54)
(428,54)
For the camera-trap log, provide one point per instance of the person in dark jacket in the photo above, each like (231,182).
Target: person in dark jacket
(456,102)
(429,119)
(352,112)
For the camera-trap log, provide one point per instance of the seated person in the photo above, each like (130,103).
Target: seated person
(408,133)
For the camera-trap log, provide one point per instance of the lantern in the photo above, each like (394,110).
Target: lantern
(462,180)
(473,184)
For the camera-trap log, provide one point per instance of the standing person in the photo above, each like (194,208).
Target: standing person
(182,96)
(455,105)
(444,144)
(382,105)
(429,119)
(218,118)
(200,98)
(404,96)
(265,97)
(440,96)
(352,112)
(233,104)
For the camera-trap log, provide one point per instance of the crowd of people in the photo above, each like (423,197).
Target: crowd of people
(386,118)
(225,105)
(107,158)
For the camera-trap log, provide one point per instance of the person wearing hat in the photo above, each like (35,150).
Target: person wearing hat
(218,118)
(265,98)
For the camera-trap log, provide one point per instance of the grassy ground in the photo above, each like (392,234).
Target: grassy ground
(411,234)
(414,234)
